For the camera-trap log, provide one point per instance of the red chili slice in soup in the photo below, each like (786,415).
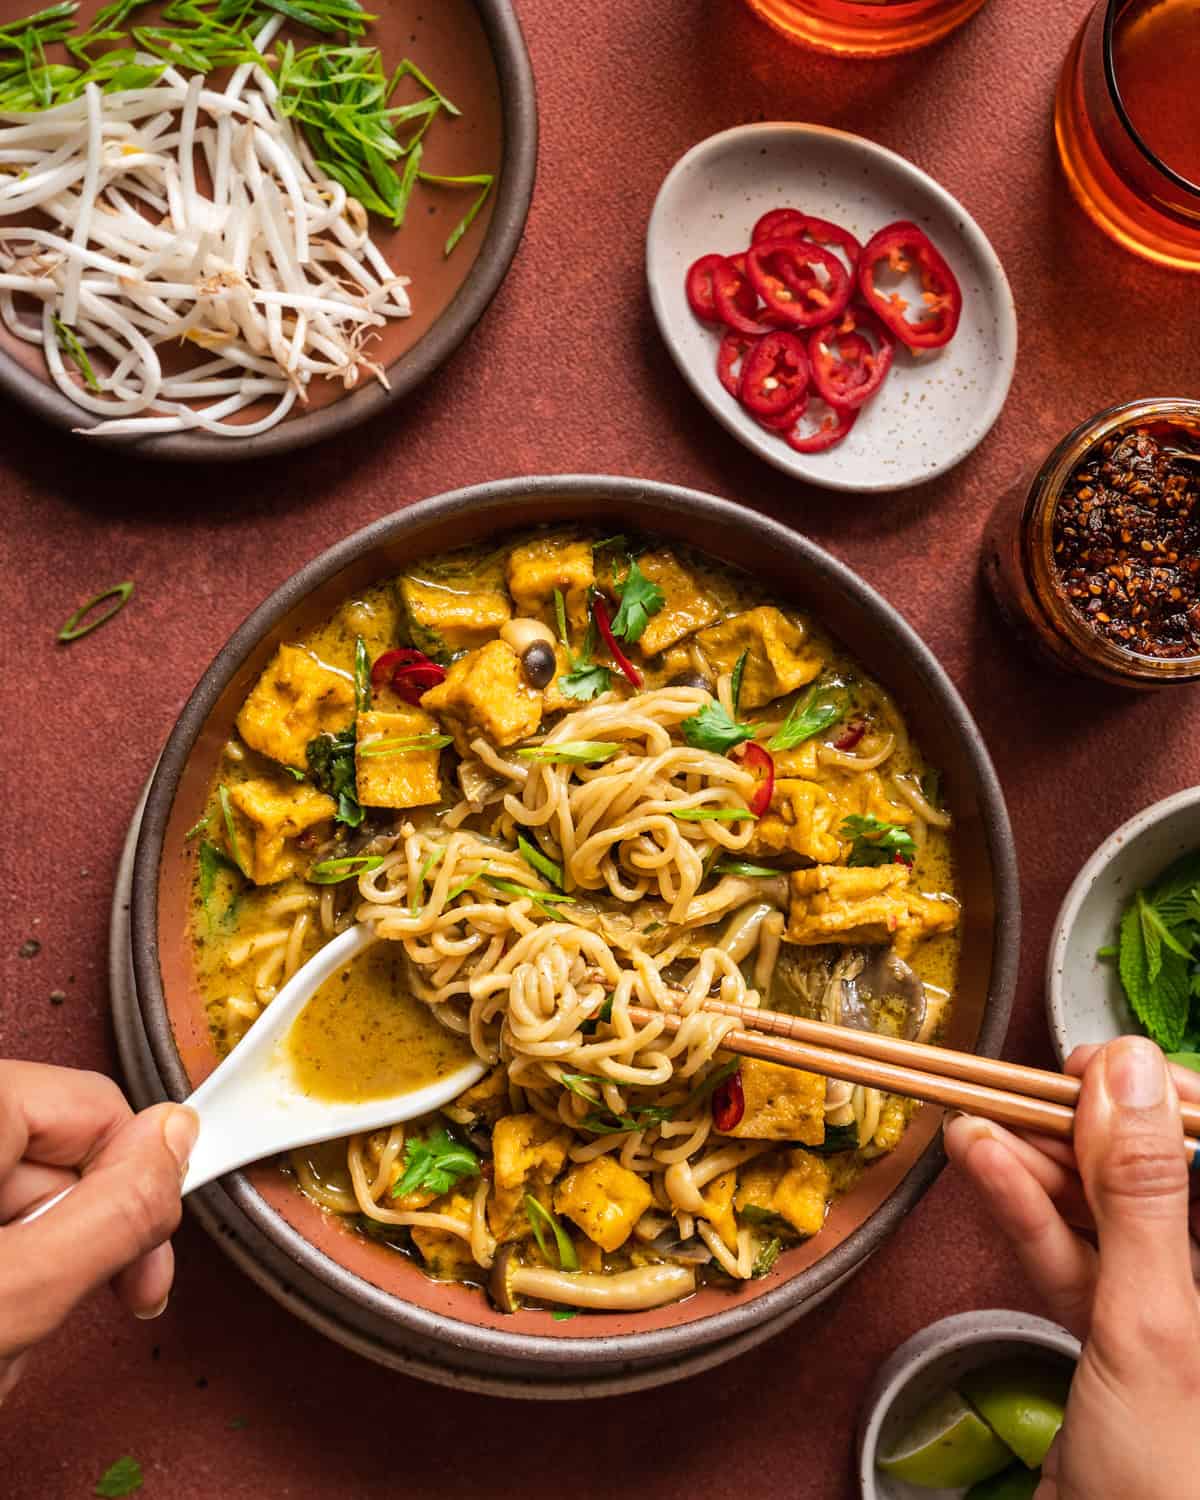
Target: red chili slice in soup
(762,764)
(729,1102)
(407,672)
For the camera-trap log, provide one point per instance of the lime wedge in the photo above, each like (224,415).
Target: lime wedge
(1022,1401)
(948,1445)
(1017,1483)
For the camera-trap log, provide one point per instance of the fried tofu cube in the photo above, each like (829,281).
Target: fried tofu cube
(447,1256)
(485,693)
(266,820)
(802,762)
(782,1104)
(718,1208)
(862,794)
(539,567)
(605,1199)
(926,917)
(838,904)
(686,607)
(487,1099)
(395,777)
(527,1152)
(802,1194)
(796,1191)
(554,700)
(443,621)
(296,699)
(802,819)
(781,659)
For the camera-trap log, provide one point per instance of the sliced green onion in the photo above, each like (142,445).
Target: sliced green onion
(429,862)
(572,752)
(75,352)
(334,871)
(540,1219)
(741,867)
(482,180)
(564,1314)
(466,884)
(78,625)
(544,866)
(362,676)
(198,826)
(560,615)
(230,829)
(402,745)
(575,1083)
(544,898)
(735,682)
(713,814)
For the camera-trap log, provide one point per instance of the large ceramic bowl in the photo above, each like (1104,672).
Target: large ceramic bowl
(384,1295)
(474,50)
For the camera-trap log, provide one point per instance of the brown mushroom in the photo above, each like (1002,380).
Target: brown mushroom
(619,1291)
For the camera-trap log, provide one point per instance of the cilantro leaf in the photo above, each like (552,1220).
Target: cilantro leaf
(211,862)
(435,1164)
(640,598)
(713,729)
(764,1261)
(585,682)
(119,1479)
(816,711)
(876,842)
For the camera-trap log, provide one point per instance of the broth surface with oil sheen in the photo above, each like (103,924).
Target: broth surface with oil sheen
(363,1037)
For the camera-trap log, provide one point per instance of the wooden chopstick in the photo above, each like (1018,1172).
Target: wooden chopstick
(964,1081)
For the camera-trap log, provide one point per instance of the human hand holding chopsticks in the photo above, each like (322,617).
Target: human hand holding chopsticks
(61,1128)
(1130,1428)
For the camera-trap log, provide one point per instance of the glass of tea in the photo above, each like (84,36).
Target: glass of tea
(1127,122)
(865,28)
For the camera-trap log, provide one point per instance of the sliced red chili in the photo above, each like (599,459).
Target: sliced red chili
(790,223)
(604,625)
(761,762)
(846,369)
(854,732)
(407,672)
(734,299)
(774,374)
(729,1102)
(903,247)
(786,419)
(734,347)
(699,288)
(833,427)
(785,274)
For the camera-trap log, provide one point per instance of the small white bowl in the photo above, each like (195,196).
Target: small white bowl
(930,1363)
(933,409)
(1084,997)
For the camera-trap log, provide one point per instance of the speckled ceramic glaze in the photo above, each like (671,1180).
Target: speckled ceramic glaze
(1083,993)
(933,408)
(930,1363)
(384,1296)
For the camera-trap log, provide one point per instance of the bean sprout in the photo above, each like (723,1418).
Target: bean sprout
(178,213)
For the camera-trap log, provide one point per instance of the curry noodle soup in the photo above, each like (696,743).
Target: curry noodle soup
(563,777)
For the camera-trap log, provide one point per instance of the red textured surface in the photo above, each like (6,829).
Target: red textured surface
(565,373)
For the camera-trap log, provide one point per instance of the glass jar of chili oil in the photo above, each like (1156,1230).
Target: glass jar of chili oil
(1095,561)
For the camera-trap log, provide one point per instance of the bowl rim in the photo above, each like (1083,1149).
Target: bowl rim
(501,497)
(519,124)
(970,231)
(1105,854)
(929,1345)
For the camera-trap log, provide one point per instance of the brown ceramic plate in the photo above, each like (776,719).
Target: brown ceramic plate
(474,51)
(386,1292)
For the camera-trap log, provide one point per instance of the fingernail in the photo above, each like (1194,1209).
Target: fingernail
(155,1312)
(1135,1073)
(969,1127)
(180,1130)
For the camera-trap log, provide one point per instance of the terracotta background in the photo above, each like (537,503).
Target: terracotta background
(565,373)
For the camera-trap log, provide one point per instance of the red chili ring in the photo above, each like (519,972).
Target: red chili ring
(699,288)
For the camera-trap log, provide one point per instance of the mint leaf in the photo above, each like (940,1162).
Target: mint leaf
(1160,1003)
(119,1479)
(810,715)
(1174,891)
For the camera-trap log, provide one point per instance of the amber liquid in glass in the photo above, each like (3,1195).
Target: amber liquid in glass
(1150,206)
(1156,55)
(865,28)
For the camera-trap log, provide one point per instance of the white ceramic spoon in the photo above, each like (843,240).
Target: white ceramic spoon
(252,1106)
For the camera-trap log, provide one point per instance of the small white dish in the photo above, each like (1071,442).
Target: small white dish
(1084,997)
(930,1363)
(933,409)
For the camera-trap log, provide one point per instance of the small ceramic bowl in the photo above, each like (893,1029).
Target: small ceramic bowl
(1083,993)
(930,1363)
(932,410)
